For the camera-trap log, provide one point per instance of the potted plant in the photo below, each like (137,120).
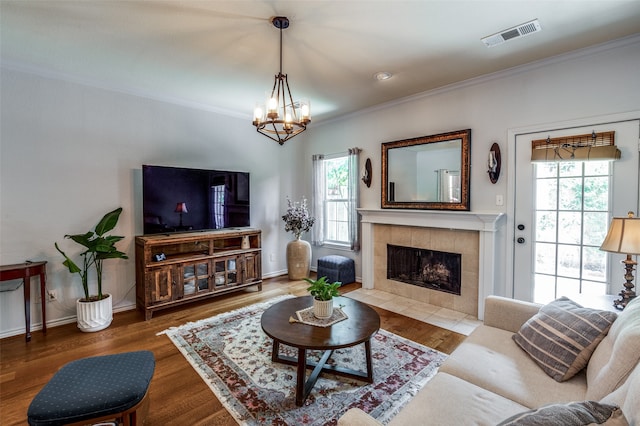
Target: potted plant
(323,293)
(95,311)
(298,220)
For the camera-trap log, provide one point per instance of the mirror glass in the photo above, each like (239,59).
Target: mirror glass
(429,172)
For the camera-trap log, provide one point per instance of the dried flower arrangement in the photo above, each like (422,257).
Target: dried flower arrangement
(297,218)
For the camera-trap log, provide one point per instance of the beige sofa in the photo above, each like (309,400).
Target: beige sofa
(489,378)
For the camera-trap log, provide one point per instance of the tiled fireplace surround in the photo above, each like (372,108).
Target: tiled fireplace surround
(473,235)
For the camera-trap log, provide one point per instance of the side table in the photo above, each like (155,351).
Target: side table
(25,271)
(603,302)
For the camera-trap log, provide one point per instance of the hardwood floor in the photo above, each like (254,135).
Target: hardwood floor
(178,395)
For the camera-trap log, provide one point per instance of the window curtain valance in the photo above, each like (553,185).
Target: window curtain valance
(589,147)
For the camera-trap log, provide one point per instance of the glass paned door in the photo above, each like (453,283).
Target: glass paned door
(571,219)
(561,214)
(226,272)
(195,278)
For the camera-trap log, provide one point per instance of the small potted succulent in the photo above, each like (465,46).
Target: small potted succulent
(323,293)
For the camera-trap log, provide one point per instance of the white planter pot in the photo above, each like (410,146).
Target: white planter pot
(322,308)
(94,316)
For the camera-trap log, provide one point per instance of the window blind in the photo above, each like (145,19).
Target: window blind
(589,147)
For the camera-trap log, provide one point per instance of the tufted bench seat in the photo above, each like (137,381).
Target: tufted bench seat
(96,389)
(337,268)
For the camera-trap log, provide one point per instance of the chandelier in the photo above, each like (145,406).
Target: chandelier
(279,117)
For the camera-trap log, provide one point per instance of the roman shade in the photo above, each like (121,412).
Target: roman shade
(589,147)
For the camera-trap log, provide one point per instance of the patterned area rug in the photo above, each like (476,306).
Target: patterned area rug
(233,356)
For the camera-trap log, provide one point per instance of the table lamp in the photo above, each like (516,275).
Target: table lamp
(181,207)
(624,237)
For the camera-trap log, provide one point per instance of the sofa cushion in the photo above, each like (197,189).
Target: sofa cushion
(627,397)
(562,336)
(490,359)
(449,400)
(508,314)
(617,354)
(572,414)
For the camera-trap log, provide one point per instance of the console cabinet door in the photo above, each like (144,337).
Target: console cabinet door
(194,278)
(161,284)
(226,272)
(252,268)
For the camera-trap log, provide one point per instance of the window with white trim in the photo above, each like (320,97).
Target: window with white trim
(335,199)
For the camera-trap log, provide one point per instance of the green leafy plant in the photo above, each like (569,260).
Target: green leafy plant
(99,247)
(323,290)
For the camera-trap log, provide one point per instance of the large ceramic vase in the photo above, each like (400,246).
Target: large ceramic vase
(298,259)
(96,315)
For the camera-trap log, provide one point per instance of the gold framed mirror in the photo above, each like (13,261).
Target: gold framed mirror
(428,172)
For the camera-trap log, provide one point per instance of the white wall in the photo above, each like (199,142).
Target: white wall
(590,83)
(69,153)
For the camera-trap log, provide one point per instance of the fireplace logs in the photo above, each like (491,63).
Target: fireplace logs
(431,269)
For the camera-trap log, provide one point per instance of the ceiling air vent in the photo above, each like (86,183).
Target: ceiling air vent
(511,33)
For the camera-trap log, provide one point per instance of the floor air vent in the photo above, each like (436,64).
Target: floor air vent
(512,33)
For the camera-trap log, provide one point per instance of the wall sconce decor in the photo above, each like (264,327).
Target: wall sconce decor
(366,175)
(624,237)
(494,163)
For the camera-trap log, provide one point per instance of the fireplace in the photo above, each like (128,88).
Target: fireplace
(472,235)
(433,269)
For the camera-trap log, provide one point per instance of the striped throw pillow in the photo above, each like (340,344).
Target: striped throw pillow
(561,337)
(580,413)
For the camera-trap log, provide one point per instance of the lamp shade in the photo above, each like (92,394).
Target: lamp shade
(623,235)
(181,208)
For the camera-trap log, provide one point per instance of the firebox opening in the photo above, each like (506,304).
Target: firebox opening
(436,270)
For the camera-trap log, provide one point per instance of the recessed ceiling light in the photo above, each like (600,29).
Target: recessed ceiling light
(382,75)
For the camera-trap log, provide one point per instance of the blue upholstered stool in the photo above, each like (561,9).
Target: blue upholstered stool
(94,389)
(337,268)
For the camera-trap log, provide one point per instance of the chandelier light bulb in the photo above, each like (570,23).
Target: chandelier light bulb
(305,110)
(272,108)
(258,114)
(288,121)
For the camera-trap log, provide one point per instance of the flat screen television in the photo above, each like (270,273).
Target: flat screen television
(176,199)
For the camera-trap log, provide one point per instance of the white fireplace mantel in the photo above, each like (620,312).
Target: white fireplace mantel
(472,221)
(486,223)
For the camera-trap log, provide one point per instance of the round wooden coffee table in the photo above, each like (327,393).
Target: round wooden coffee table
(362,323)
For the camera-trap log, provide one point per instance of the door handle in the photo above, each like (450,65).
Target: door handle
(520,240)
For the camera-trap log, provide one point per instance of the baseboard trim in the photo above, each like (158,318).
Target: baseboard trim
(37,326)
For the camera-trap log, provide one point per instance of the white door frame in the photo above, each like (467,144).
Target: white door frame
(511,177)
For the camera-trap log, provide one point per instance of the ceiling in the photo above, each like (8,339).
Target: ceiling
(223,55)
